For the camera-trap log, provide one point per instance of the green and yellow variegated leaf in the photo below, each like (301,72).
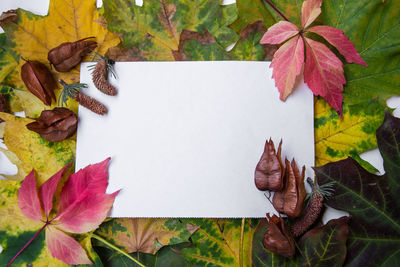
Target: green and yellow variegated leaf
(29,151)
(145,235)
(336,138)
(16,230)
(221,242)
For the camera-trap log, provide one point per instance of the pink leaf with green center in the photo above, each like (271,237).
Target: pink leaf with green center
(310,10)
(323,73)
(64,247)
(337,38)
(46,190)
(287,64)
(93,178)
(279,33)
(28,198)
(87,213)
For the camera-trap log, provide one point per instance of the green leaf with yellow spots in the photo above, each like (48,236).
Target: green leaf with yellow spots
(221,242)
(145,235)
(32,36)
(29,151)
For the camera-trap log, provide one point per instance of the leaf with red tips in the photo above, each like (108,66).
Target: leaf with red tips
(28,198)
(86,213)
(47,190)
(65,248)
(279,33)
(93,178)
(323,73)
(287,64)
(337,38)
(310,10)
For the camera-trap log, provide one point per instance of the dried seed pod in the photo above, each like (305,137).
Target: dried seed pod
(269,171)
(39,81)
(55,125)
(313,210)
(74,91)
(277,238)
(290,200)
(67,55)
(100,74)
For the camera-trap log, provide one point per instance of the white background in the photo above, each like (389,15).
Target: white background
(41,7)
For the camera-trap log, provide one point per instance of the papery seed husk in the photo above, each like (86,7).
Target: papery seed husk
(277,238)
(100,79)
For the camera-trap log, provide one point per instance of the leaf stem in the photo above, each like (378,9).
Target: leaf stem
(117,249)
(27,244)
(277,10)
(241,252)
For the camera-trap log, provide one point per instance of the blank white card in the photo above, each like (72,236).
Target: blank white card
(185,137)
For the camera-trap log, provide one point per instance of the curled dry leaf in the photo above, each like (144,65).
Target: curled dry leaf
(67,55)
(55,125)
(277,238)
(290,200)
(39,81)
(269,170)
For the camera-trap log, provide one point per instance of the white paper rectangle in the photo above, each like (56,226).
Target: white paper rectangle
(185,137)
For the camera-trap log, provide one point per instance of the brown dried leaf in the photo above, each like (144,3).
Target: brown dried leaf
(55,125)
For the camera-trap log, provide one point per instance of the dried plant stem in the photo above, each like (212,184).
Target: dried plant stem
(90,103)
(99,238)
(277,10)
(27,244)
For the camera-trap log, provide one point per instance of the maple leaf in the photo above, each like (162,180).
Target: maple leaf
(323,70)
(83,206)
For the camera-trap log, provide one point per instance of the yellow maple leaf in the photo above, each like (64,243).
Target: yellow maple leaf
(32,36)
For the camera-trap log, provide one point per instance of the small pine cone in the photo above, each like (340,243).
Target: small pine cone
(100,75)
(309,216)
(90,103)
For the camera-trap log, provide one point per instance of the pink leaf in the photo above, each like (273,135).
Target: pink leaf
(64,247)
(287,64)
(279,33)
(323,73)
(339,40)
(93,178)
(47,190)
(87,213)
(310,10)
(28,199)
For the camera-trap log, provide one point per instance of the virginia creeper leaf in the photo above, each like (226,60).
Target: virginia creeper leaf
(64,247)
(280,32)
(371,200)
(28,198)
(310,10)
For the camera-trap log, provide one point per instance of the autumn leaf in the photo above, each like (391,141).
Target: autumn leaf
(371,200)
(83,205)
(32,37)
(145,235)
(323,70)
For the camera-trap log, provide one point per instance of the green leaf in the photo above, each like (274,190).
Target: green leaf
(371,200)
(155,28)
(221,242)
(374,28)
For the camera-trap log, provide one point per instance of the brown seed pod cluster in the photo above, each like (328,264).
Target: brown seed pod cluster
(39,81)
(55,125)
(74,91)
(69,54)
(101,69)
(269,170)
(277,238)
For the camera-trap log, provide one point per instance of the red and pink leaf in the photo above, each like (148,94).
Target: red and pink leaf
(87,213)
(323,73)
(64,247)
(279,32)
(46,190)
(339,40)
(287,64)
(28,198)
(93,178)
(310,10)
